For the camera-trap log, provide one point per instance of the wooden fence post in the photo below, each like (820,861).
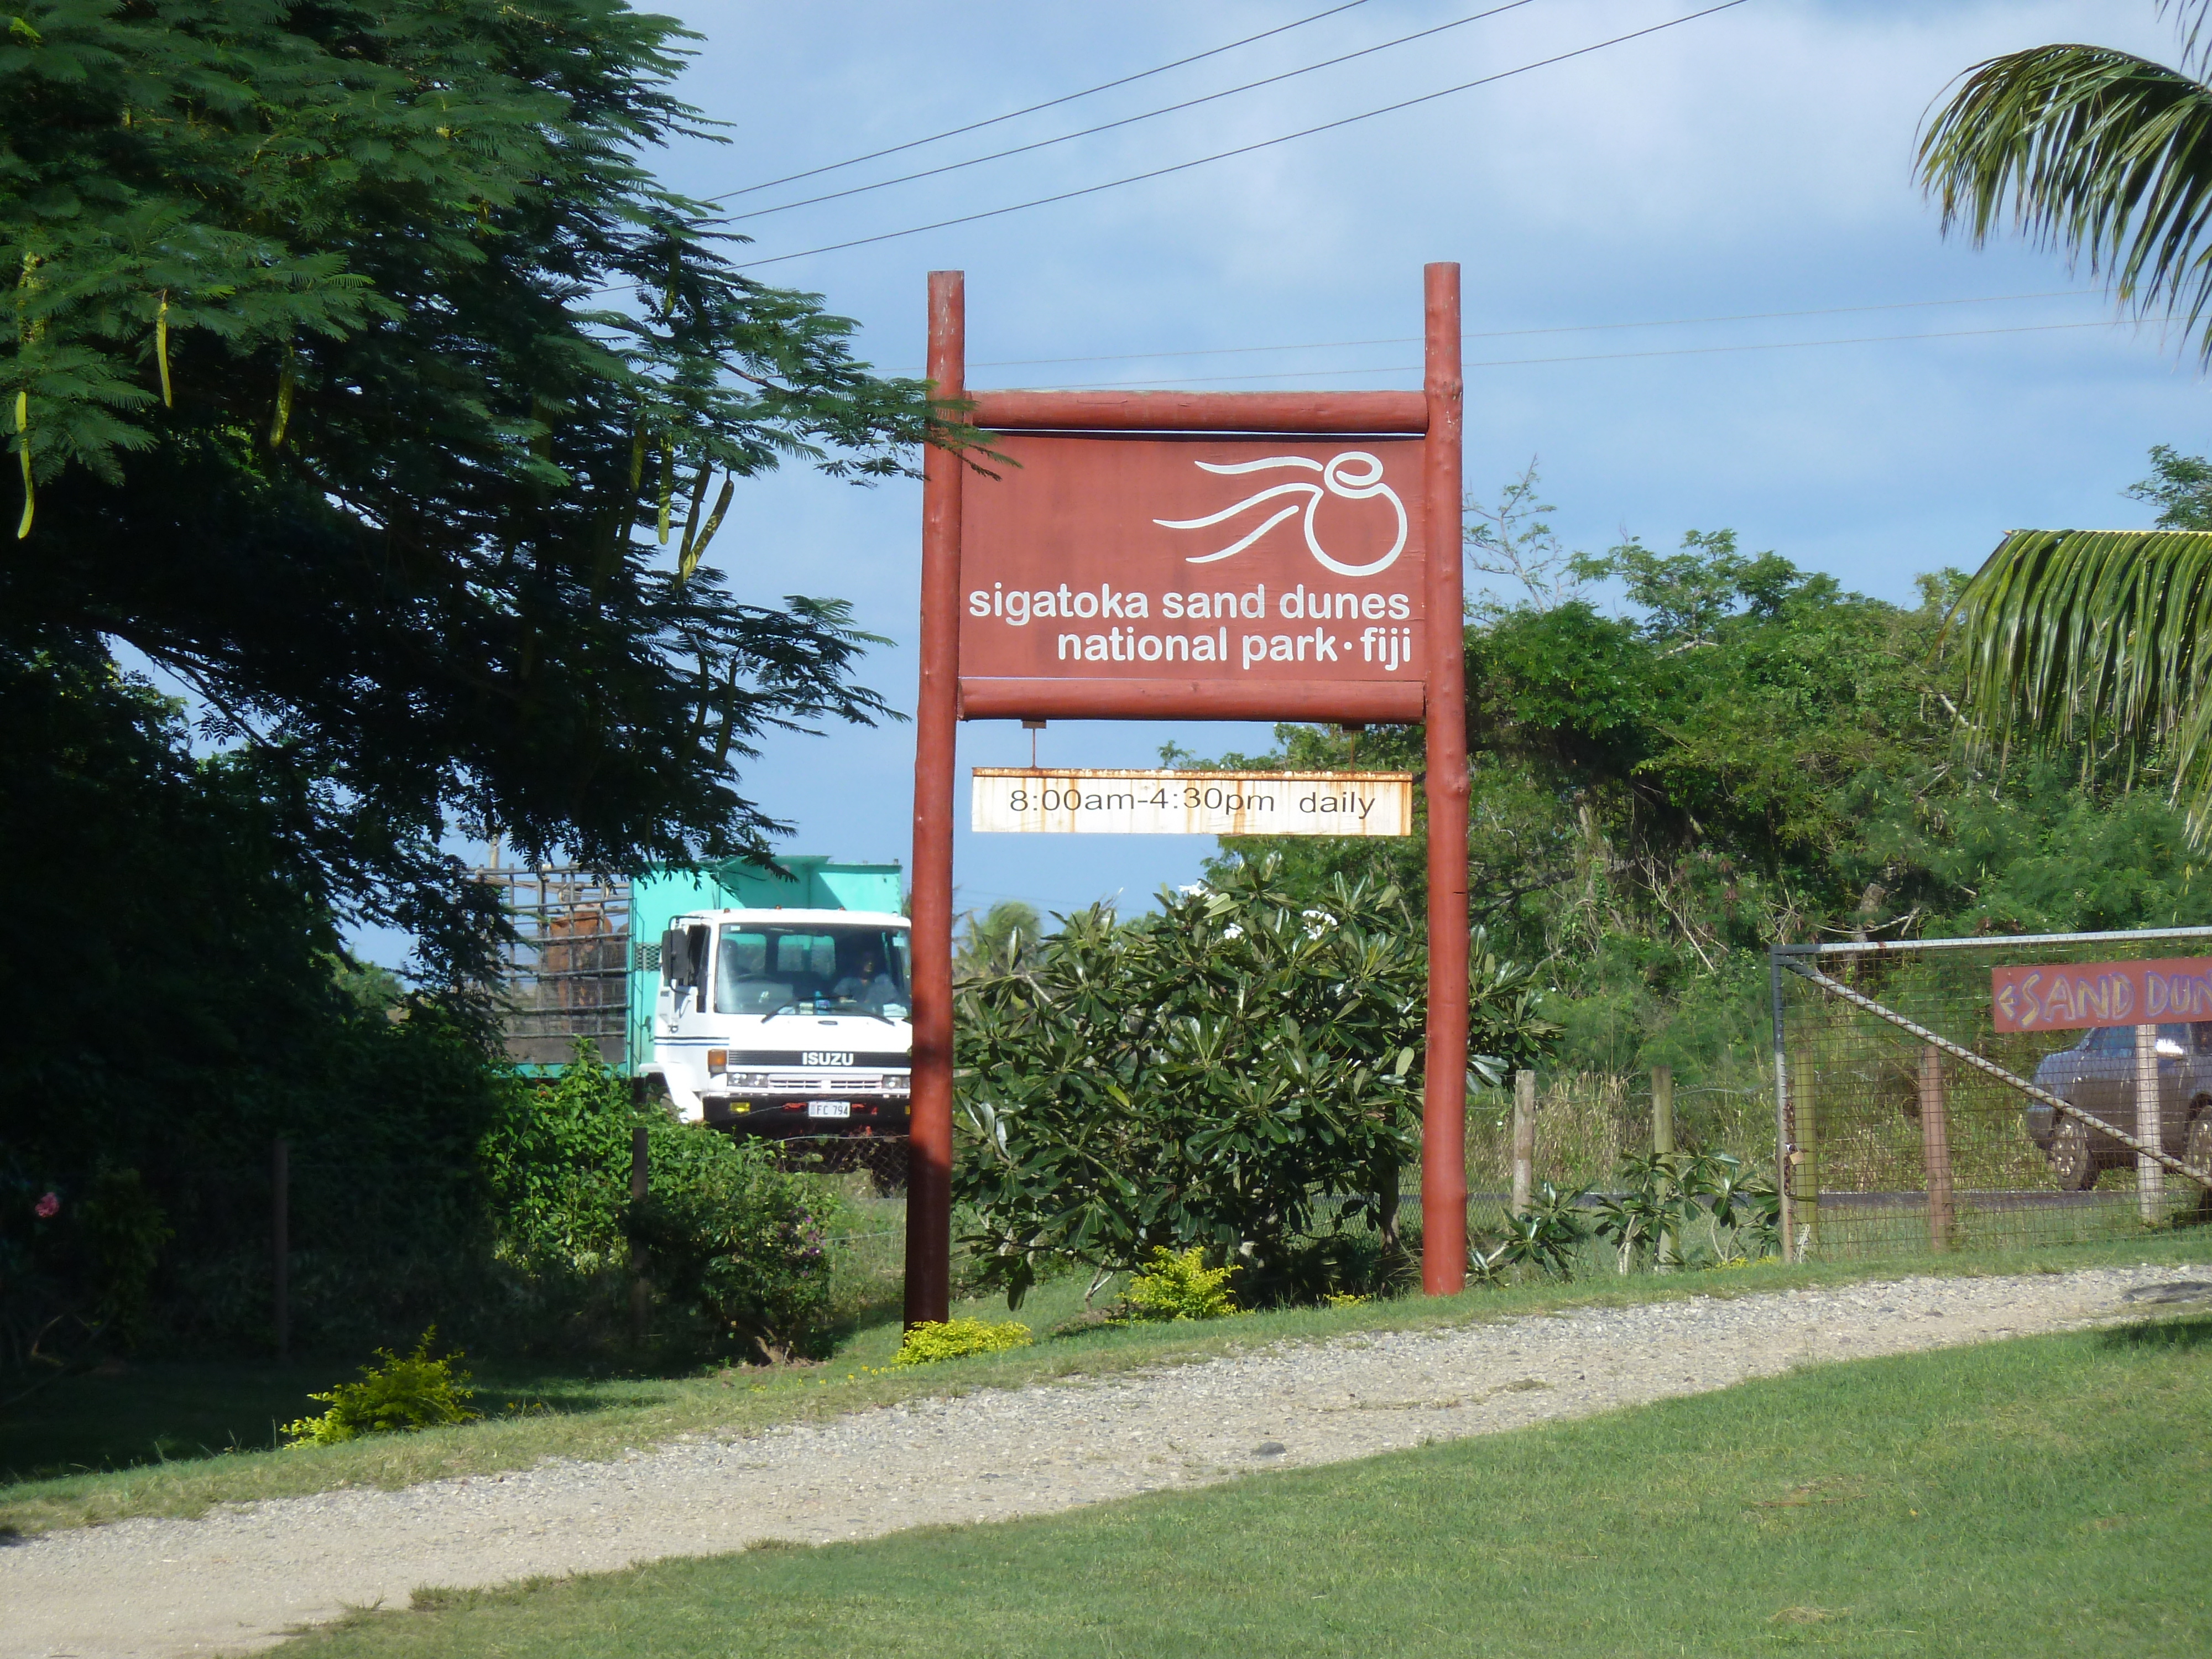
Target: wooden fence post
(280,1241)
(1524,1139)
(2150,1127)
(1663,1140)
(639,1165)
(1935,1151)
(1805,1184)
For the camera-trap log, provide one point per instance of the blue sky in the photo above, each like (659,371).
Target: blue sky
(1755,161)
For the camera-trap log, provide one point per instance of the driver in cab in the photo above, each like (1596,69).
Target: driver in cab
(868,984)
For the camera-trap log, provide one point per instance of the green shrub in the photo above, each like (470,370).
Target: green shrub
(928,1342)
(735,1245)
(1180,1286)
(403,1394)
(1238,1072)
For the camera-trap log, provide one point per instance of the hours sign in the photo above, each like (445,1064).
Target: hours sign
(1166,803)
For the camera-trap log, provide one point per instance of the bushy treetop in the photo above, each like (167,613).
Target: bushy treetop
(361,375)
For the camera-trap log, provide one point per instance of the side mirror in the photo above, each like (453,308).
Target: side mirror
(676,956)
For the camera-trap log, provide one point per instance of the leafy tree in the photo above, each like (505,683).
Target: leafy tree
(1239,1071)
(1004,940)
(1512,539)
(1749,754)
(2181,487)
(361,377)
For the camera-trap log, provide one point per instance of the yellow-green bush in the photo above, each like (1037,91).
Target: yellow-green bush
(1180,1286)
(931,1342)
(405,1393)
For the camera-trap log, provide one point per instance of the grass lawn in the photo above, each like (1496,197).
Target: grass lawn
(173,1439)
(2048,1496)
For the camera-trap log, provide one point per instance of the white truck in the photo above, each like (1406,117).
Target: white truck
(786,1021)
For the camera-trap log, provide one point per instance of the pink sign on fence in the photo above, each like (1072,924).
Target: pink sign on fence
(2073,996)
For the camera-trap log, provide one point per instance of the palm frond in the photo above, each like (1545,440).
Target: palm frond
(2096,151)
(2097,635)
(2189,17)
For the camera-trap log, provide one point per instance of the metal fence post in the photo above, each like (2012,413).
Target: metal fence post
(1806,1132)
(280,1241)
(639,1166)
(1785,1211)
(1935,1149)
(1524,1139)
(1662,1140)
(2150,1127)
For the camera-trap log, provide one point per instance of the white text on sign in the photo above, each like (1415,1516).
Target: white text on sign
(1162,803)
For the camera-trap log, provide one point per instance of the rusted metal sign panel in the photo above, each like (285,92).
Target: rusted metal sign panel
(1177,569)
(2073,996)
(1136,803)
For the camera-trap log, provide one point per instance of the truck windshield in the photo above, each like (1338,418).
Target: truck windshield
(761,969)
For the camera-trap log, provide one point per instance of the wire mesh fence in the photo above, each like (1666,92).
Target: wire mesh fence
(1972,1094)
(882,1158)
(566,973)
(1587,1123)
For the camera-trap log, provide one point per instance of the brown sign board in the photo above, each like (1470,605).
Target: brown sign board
(1160,569)
(2076,995)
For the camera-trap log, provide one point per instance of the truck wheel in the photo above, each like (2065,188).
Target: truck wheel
(2073,1165)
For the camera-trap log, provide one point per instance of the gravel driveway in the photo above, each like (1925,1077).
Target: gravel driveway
(236,1579)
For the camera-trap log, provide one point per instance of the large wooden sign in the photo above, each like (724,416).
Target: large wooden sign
(1145,571)
(1166,803)
(2077,995)
(1193,556)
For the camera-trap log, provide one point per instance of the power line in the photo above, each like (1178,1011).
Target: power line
(1064,98)
(1130,120)
(1246,149)
(1590,357)
(1516,333)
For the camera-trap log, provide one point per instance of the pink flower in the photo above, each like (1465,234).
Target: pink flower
(47,1207)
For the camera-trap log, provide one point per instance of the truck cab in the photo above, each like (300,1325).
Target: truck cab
(786,1021)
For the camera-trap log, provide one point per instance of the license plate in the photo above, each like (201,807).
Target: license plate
(829,1109)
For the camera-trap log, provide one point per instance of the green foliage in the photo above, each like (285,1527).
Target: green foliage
(735,1245)
(1237,1072)
(374,387)
(2097,637)
(402,1393)
(124,1230)
(2181,487)
(170,894)
(932,1339)
(1178,1284)
(1750,754)
(1002,941)
(1662,1202)
(1543,1238)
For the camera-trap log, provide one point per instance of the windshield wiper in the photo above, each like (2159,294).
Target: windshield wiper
(839,1005)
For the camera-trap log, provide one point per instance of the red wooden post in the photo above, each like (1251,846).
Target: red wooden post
(929,1182)
(1444,1109)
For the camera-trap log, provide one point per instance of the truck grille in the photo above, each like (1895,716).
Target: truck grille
(885,1059)
(817,1083)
